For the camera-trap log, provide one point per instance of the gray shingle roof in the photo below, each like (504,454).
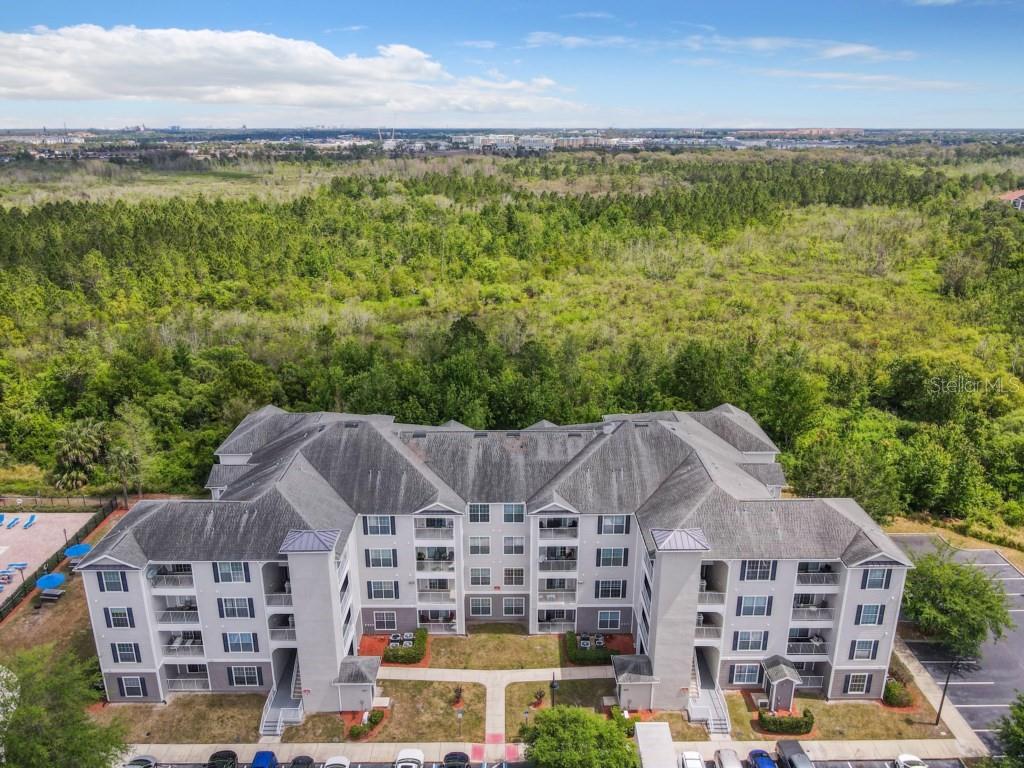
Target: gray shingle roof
(633,669)
(222,475)
(358,670)
(778,668)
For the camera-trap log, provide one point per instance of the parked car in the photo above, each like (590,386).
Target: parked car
(338,761)
(223,759)
(142,761)
(910,761)
(758,758)
(302,761)
(727,758)
(792,755)
(456,760)
(265,759)
(691,760)
(408,758)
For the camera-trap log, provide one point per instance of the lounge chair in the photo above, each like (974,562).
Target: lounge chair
(1,518)
(31,521)
(13,522)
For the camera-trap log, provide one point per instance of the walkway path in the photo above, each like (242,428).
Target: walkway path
(495,681)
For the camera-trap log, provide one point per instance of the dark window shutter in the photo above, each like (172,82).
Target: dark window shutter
(874,650)
(120,687)
(245,570)
(597,588)
(131,618)
(220,607)
(625,556)
(231,676)
(863,584)
(888,577)
(138,653)
(113,652)
(627,523)
(743,570)
(103,588)
(769,608)
(760,674)
(598,560)
(600,523)
(881,614)
(732,674)
(870,678)
(739,606)
(396,589)
(106,617)
(735,640)
(224,637)
(255,643)
(366,555)
(252,609)
(622,592)
(394,558)
(775,566)
(366,526)
(259,676)
(856,619)
(216,574)
(392,530)
(846,684)
(764,641)
(142,684)
(369,590)
(124,581)
(853,650)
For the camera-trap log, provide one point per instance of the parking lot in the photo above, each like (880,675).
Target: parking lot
(982,691)
(819,764)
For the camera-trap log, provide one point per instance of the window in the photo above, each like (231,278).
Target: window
(382,590)
(236,608)
(120,618)
(608,619)
(515,577)
(604,590)
(870,614)
(480,577)
(381,558)
(230,572)
(556,584)
(435,585)
(513,606)
(753,605)
(863,650)
(756,640)
(244,677)
(479,545)
(757,570)
(514,513)
(126,653)
(612,557)
(514,545)
(479,606)
(132,687)
(379,525)
(479,513)
(113,581)
(240,642)
(876,578)
(856,683)
(195,669)
(385,621)
(746,674)
(645,621)
(611,524)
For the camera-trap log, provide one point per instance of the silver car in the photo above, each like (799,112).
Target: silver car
(727,758)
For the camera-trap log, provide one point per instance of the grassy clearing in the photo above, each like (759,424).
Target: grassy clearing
(519,698)
(496,646)
(190,719)
(422,711)
(323,728)
(682,729)
(1015,556)
(844,719)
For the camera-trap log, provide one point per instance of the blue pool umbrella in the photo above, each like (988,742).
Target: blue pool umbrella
(19,566)
(77,550)
(50,581)
(6,572)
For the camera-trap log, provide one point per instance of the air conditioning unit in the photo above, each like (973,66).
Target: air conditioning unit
(763,703)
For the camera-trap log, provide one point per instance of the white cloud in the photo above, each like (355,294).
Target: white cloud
(212,67)
(863,81)
(553,39)
(934,2)
(589,15)
(870,52)
(483,44)
(350,28)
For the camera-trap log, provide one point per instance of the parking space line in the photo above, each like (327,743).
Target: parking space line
(983,706)
(972,682)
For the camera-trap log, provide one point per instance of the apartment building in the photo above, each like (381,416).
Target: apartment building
(323,527)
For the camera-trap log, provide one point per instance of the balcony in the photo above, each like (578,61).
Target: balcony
(282,634)
(557,565)
(556,626)
(172,581)
(178,617)
(707,632)
(435,596)
(278,598)
(813,613)
(556,596)
(188,684)
(434,528)
(807,648)
(711,598)
(179,646)
(812,681)
(818,579)
(435,566)
(560,533)
(439,628)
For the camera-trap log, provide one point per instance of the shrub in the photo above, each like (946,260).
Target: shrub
(627,724)
(896,694)
(375,718)
(457,691)
(590,655)
(411,655)
(785,724)
(539,695)
(357,731)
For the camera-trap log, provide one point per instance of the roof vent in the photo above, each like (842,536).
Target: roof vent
(575,434)
(321,428)
(351,424)
(511,434)
(479,434)
(639,424)
(419,434)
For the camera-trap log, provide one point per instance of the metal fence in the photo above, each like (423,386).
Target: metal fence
(15,597)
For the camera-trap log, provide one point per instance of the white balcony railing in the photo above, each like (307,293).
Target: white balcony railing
(282,634)
(556,596)
(808,649)
(812,681)
(559,533)
(188,684)
(812,613)
(435,596)
(817,579)
(178,617)
(707,632)
(435,566)
(556,626)
(439,628)
(711,598)
(558,565)
(435,533)
(195,649)
(278,598)
(172,580)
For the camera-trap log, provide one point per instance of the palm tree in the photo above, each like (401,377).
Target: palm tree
(124,465)
(78,448)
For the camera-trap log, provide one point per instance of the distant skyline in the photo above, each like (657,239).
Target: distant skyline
(869,64)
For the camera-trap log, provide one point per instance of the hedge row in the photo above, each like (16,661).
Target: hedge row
(589,655)
(358,730)
(785,724)
(412,655)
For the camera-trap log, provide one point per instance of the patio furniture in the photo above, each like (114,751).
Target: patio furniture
(18,566)
(52,595)
(31,521)
(13,522)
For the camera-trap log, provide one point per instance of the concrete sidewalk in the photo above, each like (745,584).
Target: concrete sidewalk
(927,749)
(357,752)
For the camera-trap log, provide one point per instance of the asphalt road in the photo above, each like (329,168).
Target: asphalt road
(820,764)
(982,691)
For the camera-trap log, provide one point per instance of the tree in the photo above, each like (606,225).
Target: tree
(955,603)
(573,737)
(1011,733)
(78,448)
(50,725)
(123,465)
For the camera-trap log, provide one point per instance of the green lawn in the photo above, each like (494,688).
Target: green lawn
(422,711)
(496,646)
(322,728)
(844,719)
(682,729)
(578,693)
(192,719)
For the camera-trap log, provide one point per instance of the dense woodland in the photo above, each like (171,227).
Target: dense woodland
(866,309)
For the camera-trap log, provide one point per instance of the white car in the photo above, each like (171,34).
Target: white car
(338,761)
(691,760)
(409,758)
(910,761)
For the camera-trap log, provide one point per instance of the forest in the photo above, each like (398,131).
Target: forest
(865,308)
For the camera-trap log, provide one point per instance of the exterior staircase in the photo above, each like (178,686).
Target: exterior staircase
(297,682)
(284,703)
(707,702)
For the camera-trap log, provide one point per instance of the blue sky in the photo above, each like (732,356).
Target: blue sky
(871,63)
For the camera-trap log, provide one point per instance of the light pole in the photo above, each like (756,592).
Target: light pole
(526,717)
(954,666)
(554,687)
(458,716)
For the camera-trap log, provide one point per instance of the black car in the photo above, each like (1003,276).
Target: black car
(456,760)
(792,755)
(302,761)
(223,759)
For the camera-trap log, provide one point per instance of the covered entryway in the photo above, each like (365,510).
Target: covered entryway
(780,681)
